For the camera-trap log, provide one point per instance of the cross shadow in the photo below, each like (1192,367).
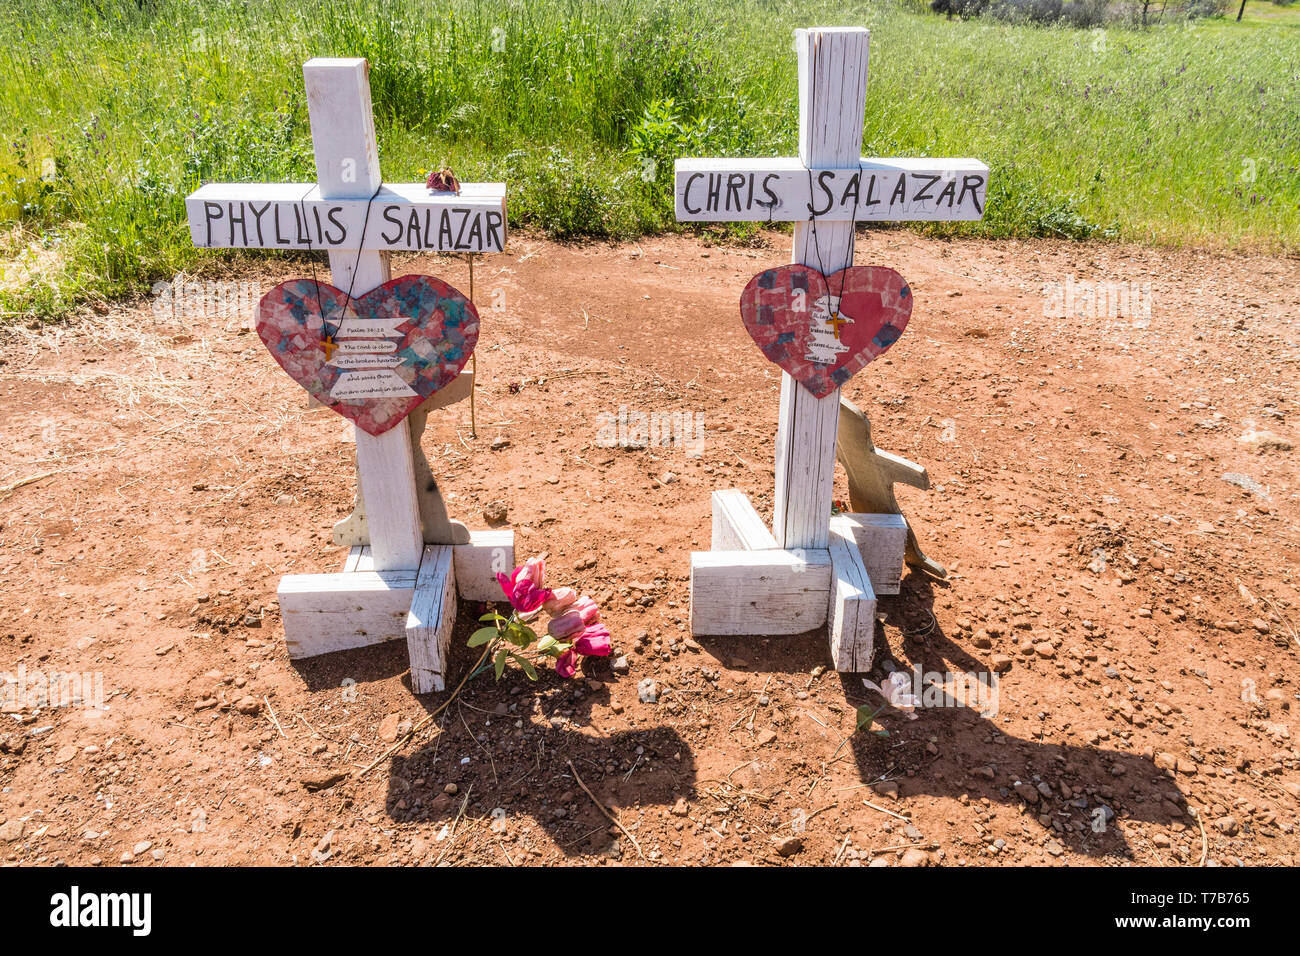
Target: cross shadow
(977,757)
(506,747)
(1084,788)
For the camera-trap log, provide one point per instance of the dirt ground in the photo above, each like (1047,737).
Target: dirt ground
(1139,605)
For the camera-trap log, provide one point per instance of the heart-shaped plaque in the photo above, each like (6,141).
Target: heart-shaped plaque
(821,330)
(373,358)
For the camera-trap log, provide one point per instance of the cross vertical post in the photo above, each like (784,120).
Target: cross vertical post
(347,167)
(832,100)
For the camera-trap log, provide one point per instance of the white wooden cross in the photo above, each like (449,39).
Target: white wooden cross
(809,569)
(404,582)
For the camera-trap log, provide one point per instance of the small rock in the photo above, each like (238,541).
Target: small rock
(451,788)
(324,849)
(388,728)
(141,847)
(915,857)
(647,691)
(1001,663)
(499,443)
(1054,848)
(766,737)
(1228,825)
(322,780)
(668,477)
(65,754)
(12,831)
(248,705)
(494,512)
(680,809)
(619,665)
(788,846)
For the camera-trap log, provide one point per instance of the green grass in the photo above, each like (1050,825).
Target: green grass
(112,111)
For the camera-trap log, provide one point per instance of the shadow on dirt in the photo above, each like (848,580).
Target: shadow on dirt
(522,775)
(958,745)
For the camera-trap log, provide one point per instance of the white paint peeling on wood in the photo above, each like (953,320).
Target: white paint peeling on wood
(736,525)
(882,541)
(851,614)
(431,619)
(758,592)
(478,563)
(323,613)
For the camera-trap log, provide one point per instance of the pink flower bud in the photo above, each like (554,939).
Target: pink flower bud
(570,622)
(593,641)
(566,665)
(560,600)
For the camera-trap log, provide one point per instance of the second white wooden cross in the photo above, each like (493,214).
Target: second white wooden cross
(408,561)
(809,570)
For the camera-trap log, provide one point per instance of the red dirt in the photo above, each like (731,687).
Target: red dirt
(187,476)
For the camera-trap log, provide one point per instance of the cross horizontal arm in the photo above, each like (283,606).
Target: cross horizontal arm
(882,190)
(403,216)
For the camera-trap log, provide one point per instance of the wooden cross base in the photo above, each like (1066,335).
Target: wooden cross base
(360,606)
(747,585)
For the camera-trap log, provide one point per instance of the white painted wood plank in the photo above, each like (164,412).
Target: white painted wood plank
(832,98)
(347,167)
(431,620)
(759,592)
(403,217)
(851,616)
(736,525)
(866,190)
(478,563)
(358,559)
(882,542)
(322,613)
(805,465)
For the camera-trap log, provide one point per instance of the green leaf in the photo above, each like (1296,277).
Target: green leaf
(482,636)
(499,662)
(527,665)
(866,716)
(546,643)
(491,616)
